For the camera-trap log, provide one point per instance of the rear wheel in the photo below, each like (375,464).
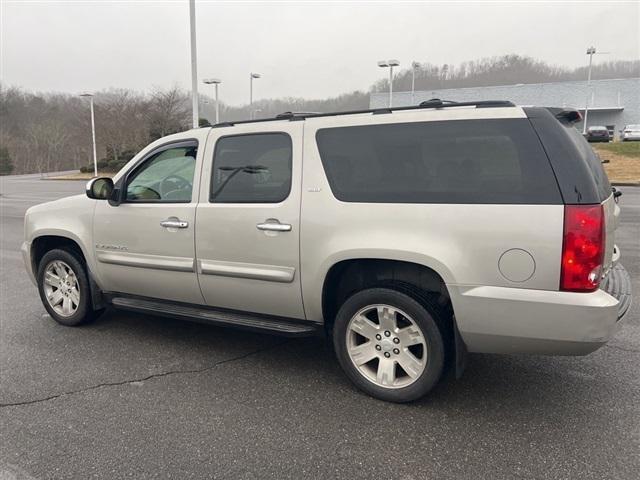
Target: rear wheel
(389,344)
(64,288)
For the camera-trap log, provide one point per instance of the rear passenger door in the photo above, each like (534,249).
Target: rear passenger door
(248,219)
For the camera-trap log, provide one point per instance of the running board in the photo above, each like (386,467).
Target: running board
(243,320)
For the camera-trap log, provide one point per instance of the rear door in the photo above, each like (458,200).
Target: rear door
(248,219)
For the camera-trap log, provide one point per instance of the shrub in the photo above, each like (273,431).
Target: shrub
(115,165)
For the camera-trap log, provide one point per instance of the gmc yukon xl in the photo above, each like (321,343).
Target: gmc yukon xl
(409,236)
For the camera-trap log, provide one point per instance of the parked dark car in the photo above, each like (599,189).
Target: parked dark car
(598,134)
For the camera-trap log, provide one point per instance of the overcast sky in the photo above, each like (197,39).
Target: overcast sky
(311,50)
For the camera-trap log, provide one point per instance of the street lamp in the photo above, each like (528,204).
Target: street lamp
(251,77)
(590,52)
(414,67)
(389,64)
(93,132)
(216,82)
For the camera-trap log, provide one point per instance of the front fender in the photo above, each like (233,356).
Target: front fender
(70,218)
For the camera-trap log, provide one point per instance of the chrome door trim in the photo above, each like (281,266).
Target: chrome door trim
(174,222)
(270,273)
(274,227)
(157,262)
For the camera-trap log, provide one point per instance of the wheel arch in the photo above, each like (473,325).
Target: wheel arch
(421,282)
(47,241)
(347,276)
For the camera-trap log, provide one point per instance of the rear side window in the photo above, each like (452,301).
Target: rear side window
(254,168)
(462,161)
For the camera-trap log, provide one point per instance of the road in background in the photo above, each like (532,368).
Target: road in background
(140,396)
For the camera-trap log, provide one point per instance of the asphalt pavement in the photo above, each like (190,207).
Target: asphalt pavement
(134,396)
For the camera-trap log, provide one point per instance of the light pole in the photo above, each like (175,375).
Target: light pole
(389,64)
(251,77)
(93,132)
(590,52)
(414,67)
(194,64)
(216,82)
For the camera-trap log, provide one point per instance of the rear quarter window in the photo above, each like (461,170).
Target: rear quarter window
(462,161)
(593,162)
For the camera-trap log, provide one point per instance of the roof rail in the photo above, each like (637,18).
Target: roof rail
(433,103)
(437,103)
(290,115)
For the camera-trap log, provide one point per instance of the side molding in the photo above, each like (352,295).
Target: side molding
(269,273)
(158,262)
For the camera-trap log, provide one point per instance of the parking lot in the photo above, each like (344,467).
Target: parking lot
(145,397)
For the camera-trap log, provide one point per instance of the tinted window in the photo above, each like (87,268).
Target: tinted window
(464,161)
(593,161)
(166,176)
(252,169)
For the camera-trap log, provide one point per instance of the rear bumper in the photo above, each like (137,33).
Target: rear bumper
(617,283)
(515,320)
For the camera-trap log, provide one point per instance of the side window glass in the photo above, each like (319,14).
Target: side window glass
(166,177)
(253,168)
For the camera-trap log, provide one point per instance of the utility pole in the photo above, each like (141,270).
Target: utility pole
(93,132)
(194,65)
(414,66)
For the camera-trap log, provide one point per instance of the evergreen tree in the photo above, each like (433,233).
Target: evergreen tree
(6,165)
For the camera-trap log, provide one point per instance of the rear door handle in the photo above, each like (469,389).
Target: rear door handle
(173,222)
(273,225)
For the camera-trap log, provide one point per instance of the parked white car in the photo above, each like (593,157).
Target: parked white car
(630,133)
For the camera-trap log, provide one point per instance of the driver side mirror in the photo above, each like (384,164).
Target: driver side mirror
(99,188)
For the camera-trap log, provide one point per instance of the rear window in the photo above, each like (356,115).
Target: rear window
(462,161)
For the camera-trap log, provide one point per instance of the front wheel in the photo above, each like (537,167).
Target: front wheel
(389,344)
(64,288)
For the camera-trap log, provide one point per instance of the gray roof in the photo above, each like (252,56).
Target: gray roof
(605,94)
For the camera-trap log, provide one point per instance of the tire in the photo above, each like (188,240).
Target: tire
(399,366)
(54,268)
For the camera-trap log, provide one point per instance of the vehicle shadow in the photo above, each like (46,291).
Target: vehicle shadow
(494,387)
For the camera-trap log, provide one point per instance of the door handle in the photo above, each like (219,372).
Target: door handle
(273,225)
(174,222)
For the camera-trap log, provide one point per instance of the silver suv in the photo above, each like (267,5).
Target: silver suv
(410,236)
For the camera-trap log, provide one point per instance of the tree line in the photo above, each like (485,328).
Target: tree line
(44,132)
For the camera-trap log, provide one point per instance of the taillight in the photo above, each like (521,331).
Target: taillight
(583,248)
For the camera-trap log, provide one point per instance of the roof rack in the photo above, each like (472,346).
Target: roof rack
(433,103)
(292,115)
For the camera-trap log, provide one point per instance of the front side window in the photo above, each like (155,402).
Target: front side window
(254,168)
(166,177)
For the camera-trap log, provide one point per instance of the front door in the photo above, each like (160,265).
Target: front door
(247,237)
(145,245)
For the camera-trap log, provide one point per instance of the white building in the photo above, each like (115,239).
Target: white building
(612,103)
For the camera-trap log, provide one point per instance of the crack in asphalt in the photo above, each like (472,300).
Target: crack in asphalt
(622,348)
(142,379)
